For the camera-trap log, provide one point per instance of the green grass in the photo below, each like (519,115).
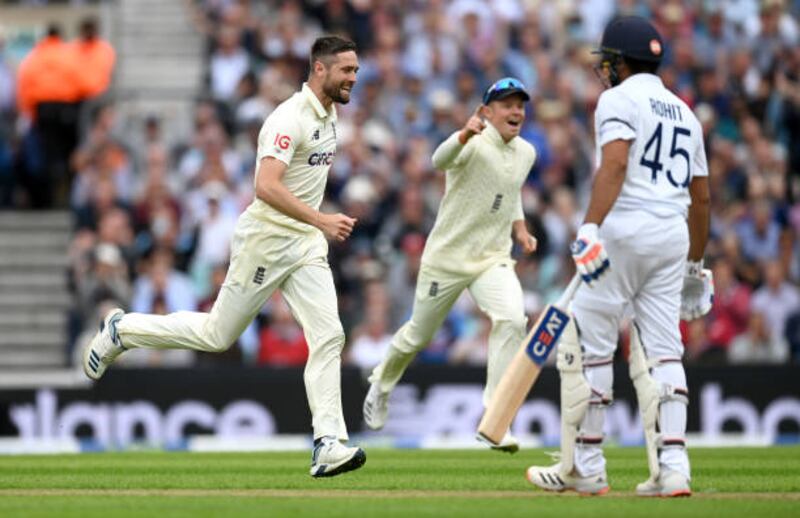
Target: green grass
(727,482)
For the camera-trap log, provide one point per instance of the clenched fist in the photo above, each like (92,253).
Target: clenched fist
(336,227)
(473,126)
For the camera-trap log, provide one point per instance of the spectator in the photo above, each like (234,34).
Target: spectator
(107,280)
(758,345)
(229,63)
(760,234)
(787,84)
(402,278)
(163,286)
(6,130)
(282,340)
(793,337)
(214,233)
(371,339)
(96,57)
(729,315)
(48,90)
(472,349)
(776,299)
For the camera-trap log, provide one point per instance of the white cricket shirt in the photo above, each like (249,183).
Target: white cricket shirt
(667,149)
(481,201)
(301,134)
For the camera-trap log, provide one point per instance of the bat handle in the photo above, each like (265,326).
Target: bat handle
(566,297)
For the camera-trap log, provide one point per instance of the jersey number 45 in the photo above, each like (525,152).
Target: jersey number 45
(655,165)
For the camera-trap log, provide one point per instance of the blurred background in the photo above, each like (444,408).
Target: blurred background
(127,148)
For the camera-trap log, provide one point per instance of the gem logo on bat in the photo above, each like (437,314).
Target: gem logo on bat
(546,335)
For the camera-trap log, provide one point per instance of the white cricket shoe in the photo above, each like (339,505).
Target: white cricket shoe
(669,483)
(508,444)
(549,478)
(104,347)
(376,407)
(330,458)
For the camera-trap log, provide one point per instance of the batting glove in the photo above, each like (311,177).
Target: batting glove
(589,254)
(697,296)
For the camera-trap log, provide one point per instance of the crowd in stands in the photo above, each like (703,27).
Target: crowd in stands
(154,218)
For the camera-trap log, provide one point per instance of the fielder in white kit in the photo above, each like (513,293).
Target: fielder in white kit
(486,164)
(279,243)
(635,247)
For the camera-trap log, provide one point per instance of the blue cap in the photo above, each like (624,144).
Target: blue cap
(632,37)
(503,88)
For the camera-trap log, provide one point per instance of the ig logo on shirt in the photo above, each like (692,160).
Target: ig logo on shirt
(282,142)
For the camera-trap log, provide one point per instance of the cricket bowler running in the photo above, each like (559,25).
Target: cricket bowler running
(486,164)
(279,243)
(635,248)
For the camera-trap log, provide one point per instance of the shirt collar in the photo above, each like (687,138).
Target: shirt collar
(644,78)
(494,136)
(318,108)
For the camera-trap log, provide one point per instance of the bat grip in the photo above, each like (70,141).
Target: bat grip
(566,297)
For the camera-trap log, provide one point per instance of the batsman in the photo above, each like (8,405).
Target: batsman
(486,163)
(641,246)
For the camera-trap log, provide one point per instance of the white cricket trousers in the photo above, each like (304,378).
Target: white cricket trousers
(496,291)
(647,254)
(265,258)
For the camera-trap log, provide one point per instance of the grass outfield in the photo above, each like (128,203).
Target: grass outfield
(727,482)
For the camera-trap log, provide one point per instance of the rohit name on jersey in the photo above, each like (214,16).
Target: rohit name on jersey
(321,158)
(666,110)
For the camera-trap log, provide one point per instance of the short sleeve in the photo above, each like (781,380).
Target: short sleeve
(279,137)
(614,118)
(519,211)
(532,155)
(700,163)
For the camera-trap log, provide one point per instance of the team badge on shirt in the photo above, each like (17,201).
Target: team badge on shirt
(258,278)
(498,199)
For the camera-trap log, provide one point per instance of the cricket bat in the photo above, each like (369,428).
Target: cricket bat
(524,368)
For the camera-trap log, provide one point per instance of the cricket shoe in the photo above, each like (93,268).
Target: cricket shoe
(669,483)
(376,407)
(330,458)
(550,478)
(508,444)
(104,347)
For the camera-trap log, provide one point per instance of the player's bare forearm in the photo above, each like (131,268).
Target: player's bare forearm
(699,217)
(608,181)
(270,190)
(523,238)
(276,195)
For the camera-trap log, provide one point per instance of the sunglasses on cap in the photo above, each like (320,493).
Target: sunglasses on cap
(503,88)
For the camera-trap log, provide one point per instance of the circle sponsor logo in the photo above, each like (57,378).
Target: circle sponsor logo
(655,47)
